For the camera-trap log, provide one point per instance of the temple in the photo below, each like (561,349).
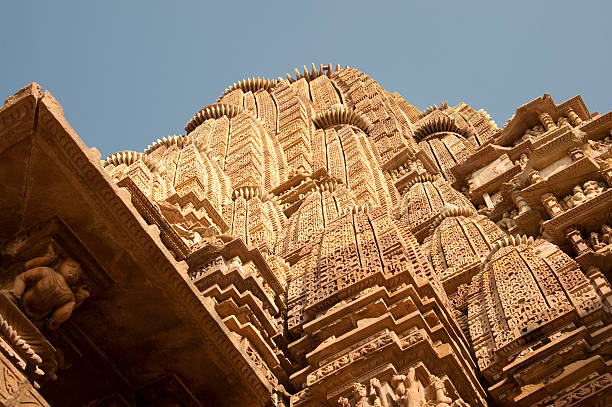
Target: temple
(309,241)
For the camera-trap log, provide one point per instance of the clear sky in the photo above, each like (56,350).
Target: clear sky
(127,72)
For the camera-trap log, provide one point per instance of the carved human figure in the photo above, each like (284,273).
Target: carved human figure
(399,388)
(442,400)
(376,394)
(592,189)
(47,292)
(606,234)
(568,202)
(578,196)
(594,241)
(360,394)
(415,393)
(343,402)
(363,398)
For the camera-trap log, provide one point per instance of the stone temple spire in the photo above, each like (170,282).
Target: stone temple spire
(309,241)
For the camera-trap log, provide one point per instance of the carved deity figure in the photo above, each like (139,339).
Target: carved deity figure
(522,161)
(579,197)
(592,189)
(47,292)
(606,234)
(600,240)
(343,402)
(364,398)
(568,202)
(360,393)
(414,395)
(397,383)
(442,400)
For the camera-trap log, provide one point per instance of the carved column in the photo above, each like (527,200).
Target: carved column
(547,121)
(576,154)
(575,238)
(535,177)
(520,202)
(606,173)
(551,204)
(574,118)
(600,283)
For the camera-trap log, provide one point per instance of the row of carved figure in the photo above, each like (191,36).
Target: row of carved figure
(581,194)
(536,131)
(602,239)
(406,391)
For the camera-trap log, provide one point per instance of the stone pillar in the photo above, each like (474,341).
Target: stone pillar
(547,121)
(551,204)
(600,283)
(575,238)
(574,118)
(520,202)
(607,175)
(606,172)
(576,154)
(534,177)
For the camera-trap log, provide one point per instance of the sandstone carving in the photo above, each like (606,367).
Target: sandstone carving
(310,241)
(50,293)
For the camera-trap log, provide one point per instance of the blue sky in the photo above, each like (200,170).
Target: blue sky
(127,73)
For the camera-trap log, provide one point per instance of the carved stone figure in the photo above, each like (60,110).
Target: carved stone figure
(376,394)
(578,196)
(343,402)
(567,202)
(399,388)
(47,292)
(594,241)
(592,189)
(606,234)
(362,397)
(442,400)
(415,392)
(360,393)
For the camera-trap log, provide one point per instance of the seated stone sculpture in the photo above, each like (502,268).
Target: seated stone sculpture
(596,244)
(592,189)
(579,197)
(47,292)
(567,202)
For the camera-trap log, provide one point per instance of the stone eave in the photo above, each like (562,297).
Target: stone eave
(30,114)
(527,116)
